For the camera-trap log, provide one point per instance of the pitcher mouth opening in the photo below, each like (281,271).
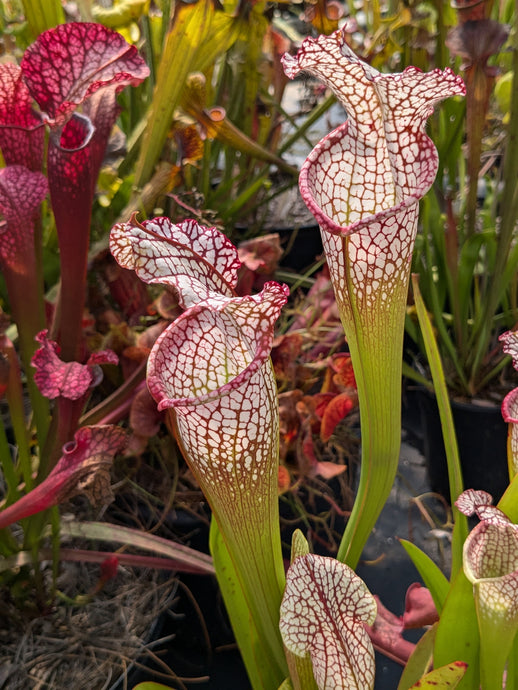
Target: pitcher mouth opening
(325,221)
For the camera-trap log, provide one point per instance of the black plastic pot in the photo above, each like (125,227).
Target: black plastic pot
(482,441)
(302,245)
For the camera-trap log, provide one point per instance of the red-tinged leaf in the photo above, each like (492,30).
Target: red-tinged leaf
(102,357)
(444,678)
(21,193)
(83,468)
(4,373)
(199,263)
(71,62)
(145,419)
(261,254)
(21,129)
(71,380)
(283,479)
(318,403)
(341,363)
(286,353)
(420,609)
(323,612)
(337,410)
(259,260)
(128,291)
(328,470)
(318,302)
(386,635)
(71,167)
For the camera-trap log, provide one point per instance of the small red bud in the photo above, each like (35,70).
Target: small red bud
(109,568)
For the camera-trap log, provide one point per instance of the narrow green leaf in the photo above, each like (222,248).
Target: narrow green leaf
(460,531)
(43,14)
(420,661)
(286,685)
(150,685)
(508,504)
(433,578)
(198,35)
(457,637)
(232,136)
(255,655)
(190,29)
(468,259)
(512,668)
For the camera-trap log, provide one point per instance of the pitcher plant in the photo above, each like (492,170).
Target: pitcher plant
(363,183)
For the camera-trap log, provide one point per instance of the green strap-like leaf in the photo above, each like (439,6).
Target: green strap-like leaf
(43,14)
(460,531)
(457,637)
(198,35)
(508,504)
(432,576)
(420,661)
(286,685)
(253,653)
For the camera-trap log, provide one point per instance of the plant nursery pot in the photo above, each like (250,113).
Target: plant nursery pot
(302,245)
(482,442)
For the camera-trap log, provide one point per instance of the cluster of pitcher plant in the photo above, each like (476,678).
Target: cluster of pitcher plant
(210,371)
(73,74)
